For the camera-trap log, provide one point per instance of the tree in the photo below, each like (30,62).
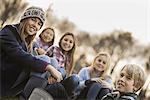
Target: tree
(10,8)
(51,18)
(65,26)
(118,43)
(84,38)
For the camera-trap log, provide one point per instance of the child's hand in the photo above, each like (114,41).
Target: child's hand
(55,73)
(98,80)
(41,51)
(104,83)
(51,80)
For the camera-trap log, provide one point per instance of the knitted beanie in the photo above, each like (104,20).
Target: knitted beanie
(34,12)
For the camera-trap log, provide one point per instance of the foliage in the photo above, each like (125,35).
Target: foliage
(65,25)
(9,9)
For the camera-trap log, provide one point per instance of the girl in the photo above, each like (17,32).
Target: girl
(40,47)
(65,52)
(45,40)
(97,72)
(64,55)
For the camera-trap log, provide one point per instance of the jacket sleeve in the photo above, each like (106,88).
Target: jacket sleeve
(17,54)
(35,45)
(34,48)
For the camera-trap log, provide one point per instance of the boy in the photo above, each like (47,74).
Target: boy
(130,80)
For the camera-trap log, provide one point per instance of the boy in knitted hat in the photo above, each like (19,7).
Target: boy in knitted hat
(131,79)
(17,62)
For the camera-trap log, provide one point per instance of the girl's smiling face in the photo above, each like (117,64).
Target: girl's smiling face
(47,36)
(32,26)
(67,43)
(100,63)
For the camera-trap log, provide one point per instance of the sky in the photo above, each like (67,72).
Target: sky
(99,16)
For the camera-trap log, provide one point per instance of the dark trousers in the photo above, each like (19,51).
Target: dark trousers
(61,90)
(57,91)
(65,89)
(93,91)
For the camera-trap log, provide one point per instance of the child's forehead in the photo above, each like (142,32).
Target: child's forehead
(68,35)
(127,70)
(48,30)
(102,57)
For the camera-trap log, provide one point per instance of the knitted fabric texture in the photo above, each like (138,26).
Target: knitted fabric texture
(34,12)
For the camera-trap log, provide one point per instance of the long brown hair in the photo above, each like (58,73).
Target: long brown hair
(28,40)
(70,53)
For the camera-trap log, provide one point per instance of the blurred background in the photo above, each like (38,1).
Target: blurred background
(120,27)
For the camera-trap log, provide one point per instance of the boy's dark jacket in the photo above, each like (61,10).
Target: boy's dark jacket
(121,96)
(14,60)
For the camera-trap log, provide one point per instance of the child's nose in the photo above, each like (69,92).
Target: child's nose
(101,62)
(122,78)
(68,42)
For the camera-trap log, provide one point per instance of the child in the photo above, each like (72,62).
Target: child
(130,80)
(96,73)
(65,52)
(45,40)
(64,55)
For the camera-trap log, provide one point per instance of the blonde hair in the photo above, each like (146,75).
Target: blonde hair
(107,61)
(28,41)
(137,73)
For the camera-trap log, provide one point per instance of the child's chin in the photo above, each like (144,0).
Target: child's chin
(120,89)
(100,70)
